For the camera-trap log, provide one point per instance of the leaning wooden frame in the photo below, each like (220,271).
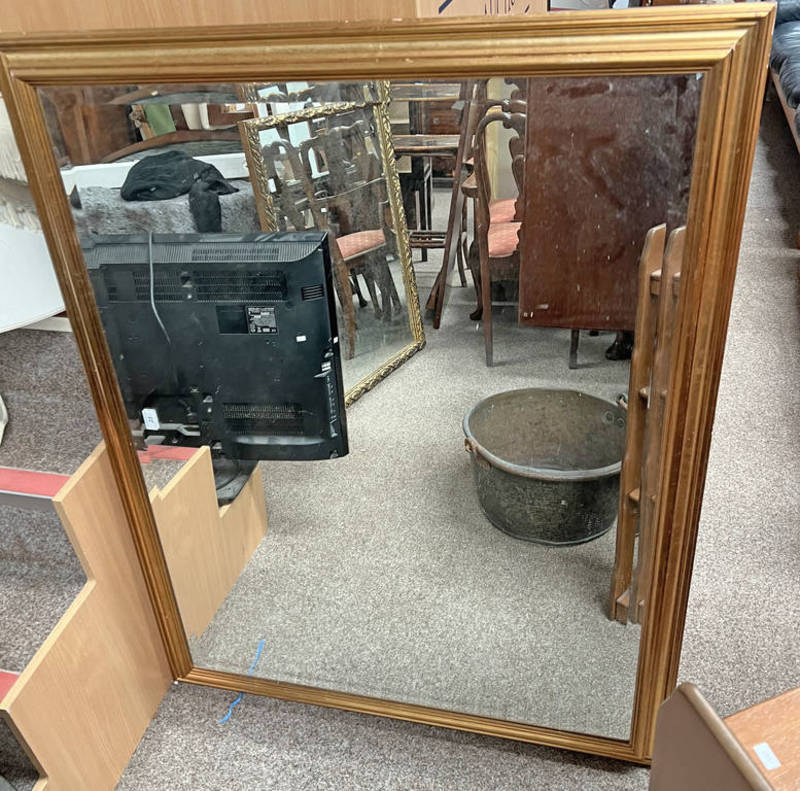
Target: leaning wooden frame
(728,44)
(378,106)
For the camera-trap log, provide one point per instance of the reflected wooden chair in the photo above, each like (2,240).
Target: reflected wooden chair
(294,209)
(351,201)
(497,242)
(659,282)
(501,210)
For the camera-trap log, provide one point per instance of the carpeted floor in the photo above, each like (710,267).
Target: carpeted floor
(380,575)
(744,611)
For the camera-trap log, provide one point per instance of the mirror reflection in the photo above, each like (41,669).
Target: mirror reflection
(257,252)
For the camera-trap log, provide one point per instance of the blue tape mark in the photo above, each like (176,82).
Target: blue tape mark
(231,708)
(252,667)
(444,5)
(250,672)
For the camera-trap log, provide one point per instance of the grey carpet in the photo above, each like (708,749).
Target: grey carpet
(380,575)
(741,641)
(15,767)
(52,424)
(40,575)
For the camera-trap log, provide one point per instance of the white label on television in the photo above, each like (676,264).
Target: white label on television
(150,418)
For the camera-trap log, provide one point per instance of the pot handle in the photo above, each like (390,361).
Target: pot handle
(470,446)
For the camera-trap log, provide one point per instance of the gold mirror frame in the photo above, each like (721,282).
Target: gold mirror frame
(729,44)
(255,163)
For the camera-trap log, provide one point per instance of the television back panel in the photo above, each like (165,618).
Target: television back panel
(234,334)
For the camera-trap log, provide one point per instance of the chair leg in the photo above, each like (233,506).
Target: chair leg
(573,348)
(461,246)
(395,296)
(486,299)
(344,291)
(460,259)
(388,290)
(473,261)
(369,279)
(362,303)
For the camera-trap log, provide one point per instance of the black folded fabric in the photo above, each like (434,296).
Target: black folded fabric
(785,42)
(173,173)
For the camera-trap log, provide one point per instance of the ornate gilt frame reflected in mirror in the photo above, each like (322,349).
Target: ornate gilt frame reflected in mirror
(266,211)
(727,44)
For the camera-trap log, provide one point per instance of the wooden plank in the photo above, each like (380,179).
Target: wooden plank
(206,547)
(667,310)
(480,7)
(631,473)
(87,696)
(776,723)
(40,15)
(37,15)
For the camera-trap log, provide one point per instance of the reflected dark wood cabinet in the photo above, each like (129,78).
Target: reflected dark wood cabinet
(593,188)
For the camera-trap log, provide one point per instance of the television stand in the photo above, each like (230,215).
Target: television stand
(230,476)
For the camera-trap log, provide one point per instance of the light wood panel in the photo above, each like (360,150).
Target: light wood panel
(44,15)
(775,722)
(631,474)
(87,696)
(206,547)
(655,424)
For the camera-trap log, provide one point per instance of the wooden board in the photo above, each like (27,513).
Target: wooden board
(656,410)
(83,702)
(607,158)
(775,722)
(631,474)
(206,547)
(480,7)
(39,15)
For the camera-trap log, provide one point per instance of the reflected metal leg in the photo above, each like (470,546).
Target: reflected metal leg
(573,348)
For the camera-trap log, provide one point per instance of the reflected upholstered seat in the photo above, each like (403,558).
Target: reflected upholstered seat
(503,238)
(502,210)
(355,244)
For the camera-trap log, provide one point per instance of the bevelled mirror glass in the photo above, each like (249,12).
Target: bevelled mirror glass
(371,554)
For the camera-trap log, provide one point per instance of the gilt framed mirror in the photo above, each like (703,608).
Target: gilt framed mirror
(532,588)
(323,157)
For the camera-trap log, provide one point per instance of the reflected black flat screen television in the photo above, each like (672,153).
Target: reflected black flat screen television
(225,340)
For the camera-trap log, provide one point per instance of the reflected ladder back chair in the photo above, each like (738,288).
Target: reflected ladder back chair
(351,201)
(658,292)
(293,201)
(500,209)
(497,242)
